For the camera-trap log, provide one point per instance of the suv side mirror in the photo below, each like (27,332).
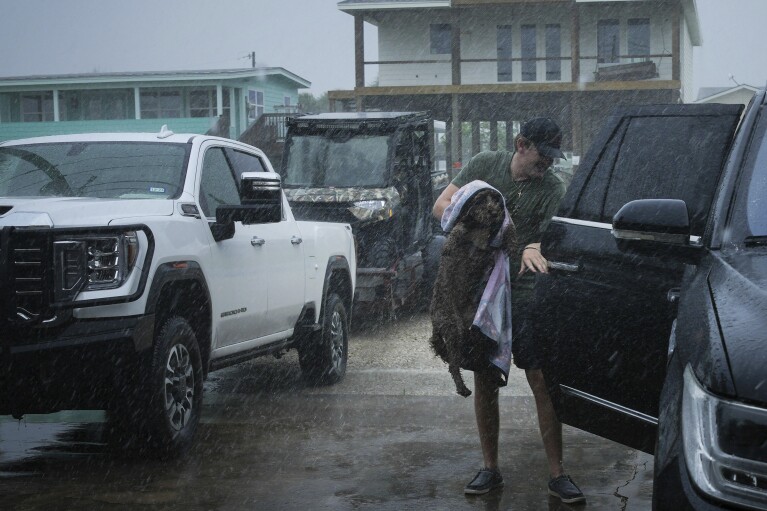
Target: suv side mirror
(649,225)
(660,220)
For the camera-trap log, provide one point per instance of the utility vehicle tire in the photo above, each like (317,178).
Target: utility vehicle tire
(323,356)
(173,391)
(383,253)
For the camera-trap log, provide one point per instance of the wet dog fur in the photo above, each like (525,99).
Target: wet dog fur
(467,258)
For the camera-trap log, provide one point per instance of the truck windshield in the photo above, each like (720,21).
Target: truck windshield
(122,170)
(315,161)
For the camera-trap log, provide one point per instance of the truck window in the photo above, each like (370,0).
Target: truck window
(244,162)
(218,184)
(122,170)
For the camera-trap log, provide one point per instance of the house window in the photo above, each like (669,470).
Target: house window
(96,105)
(37,107)
(255,104)
(639,38)
(286,100)
(608,42)
(529,55)
(553,52)
(503,37)
(441,36)
(160,104)
(202,102)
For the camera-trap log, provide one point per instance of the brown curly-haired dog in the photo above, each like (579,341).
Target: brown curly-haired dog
(467,259)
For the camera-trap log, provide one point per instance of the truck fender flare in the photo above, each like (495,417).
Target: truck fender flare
(173,272)
(336,264)
(176,271)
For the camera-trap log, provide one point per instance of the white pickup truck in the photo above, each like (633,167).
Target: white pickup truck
(131,265)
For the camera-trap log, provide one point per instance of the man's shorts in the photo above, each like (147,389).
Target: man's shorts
(526,354)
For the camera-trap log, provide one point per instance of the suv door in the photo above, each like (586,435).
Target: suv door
(604,316)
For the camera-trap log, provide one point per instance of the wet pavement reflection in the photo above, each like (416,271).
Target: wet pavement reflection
(391,436)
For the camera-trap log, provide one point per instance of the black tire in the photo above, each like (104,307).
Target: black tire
(382,253)
(323,356)
(173,390)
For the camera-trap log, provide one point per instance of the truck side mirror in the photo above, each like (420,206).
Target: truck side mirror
(261,203)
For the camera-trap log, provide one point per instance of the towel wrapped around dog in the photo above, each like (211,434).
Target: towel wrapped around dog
(493,318)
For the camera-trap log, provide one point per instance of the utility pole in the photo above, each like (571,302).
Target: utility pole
(253,59)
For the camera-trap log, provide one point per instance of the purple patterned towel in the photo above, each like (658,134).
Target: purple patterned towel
(493,316)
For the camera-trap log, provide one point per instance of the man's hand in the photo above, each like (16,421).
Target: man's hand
(443,201)
(533,260)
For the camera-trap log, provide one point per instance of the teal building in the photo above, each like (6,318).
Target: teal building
(222,102)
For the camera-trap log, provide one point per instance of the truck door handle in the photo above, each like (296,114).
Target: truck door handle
(296,240)
(557,265)
(257,242)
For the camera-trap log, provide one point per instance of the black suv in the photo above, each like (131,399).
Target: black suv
(653,317)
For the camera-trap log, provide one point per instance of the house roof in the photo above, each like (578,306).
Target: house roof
(712,93)
(153,76)
(356,5)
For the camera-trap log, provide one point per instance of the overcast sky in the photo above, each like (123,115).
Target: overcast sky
(310,38)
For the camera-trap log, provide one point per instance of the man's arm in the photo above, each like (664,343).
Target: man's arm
(443,201)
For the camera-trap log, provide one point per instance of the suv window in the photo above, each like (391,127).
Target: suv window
(750,216)
(218,184)
(656,157)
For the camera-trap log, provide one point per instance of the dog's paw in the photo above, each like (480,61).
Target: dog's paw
(464,392)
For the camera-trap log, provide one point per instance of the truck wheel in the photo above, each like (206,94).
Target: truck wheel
(323,356)
(173,400)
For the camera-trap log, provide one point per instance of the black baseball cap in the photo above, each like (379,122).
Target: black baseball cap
(545,134)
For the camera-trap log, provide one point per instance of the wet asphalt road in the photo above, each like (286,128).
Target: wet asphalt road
(392,436)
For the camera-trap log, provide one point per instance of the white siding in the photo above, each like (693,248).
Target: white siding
(405,36)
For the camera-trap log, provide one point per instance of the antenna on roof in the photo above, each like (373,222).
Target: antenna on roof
(164,132)
(732,79)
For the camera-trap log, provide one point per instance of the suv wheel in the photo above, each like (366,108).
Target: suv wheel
(174,389)
(323,356)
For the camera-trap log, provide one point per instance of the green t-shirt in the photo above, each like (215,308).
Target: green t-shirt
(531,204)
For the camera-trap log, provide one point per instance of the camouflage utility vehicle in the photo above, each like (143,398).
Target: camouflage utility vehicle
(380,172)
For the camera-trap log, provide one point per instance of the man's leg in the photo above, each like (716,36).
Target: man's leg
(486,411)
(560,484)
(551,428)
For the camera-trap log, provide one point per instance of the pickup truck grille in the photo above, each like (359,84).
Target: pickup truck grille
(28,271)
(28,280)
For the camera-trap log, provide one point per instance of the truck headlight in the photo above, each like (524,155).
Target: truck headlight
(371,210)
(725,445)
(93,262)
